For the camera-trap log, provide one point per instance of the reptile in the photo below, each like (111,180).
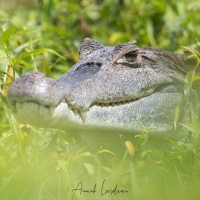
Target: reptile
(109,91)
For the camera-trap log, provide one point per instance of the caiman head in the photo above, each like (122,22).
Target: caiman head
(110,89)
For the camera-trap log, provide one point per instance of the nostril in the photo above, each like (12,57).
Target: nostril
(99,64)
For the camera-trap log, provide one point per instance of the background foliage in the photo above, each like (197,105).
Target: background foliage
(42,35)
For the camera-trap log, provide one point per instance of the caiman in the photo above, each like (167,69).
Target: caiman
(108,92)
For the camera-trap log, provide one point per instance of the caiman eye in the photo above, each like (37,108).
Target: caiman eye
(131,56)
(130,59)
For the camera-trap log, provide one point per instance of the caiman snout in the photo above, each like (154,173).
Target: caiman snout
(36,99)
(35,87)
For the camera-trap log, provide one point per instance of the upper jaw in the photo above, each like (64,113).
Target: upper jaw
(35,87)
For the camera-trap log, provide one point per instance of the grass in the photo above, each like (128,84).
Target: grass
(43,164)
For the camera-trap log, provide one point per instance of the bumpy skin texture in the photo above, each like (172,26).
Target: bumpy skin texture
(110,89)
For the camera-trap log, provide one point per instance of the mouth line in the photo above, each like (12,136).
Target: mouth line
(83,113)
(116,103)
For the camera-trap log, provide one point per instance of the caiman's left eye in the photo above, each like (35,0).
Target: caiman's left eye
(131,56)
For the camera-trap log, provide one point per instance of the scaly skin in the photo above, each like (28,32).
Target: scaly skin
(111,90)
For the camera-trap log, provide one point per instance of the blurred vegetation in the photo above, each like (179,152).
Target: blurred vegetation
(42,35)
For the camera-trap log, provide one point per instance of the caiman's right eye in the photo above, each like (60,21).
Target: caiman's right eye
(131,56)
(130,59)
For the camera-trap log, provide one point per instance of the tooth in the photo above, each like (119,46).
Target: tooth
(51,111)
(70,107)
(75,111)
(63,100)
(14,107)
(18,105)
(40,108)
(83,116)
